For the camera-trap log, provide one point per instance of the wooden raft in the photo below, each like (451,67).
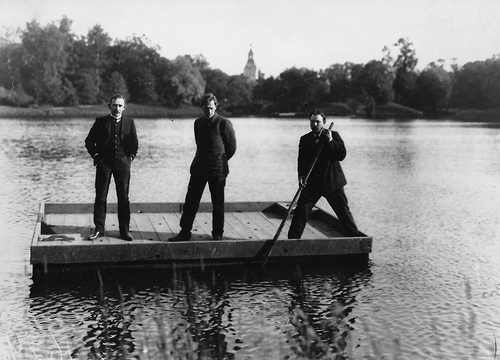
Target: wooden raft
(62,230)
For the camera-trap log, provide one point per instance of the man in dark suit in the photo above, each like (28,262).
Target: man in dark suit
(112,142)
(326,179)
(215,145)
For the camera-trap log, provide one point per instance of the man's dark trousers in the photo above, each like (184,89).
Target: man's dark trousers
(193,197)
(119,168)
(337,200)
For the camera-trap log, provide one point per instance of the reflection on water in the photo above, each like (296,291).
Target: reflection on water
(219,313)
(428,192)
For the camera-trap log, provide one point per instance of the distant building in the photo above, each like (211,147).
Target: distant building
(250,70)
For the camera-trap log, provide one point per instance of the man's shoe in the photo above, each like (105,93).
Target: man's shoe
(127,236)
(217,237)
(96,234)
(181,237)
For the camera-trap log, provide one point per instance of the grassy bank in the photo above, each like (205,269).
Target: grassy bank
(92,111)
(388,111)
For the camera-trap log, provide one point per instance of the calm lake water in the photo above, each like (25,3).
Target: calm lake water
(427,191)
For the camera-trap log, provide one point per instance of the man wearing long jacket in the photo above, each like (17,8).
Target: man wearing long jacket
(327,178)
(215,145)
(112,142)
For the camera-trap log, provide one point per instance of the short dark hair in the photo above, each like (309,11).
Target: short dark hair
(116,96)
(205,99)
(317,112)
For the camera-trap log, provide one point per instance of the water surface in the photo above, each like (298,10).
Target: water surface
(427,191)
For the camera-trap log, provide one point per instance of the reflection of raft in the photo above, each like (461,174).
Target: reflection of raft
(61,233)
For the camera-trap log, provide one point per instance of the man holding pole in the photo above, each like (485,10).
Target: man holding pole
(320,174)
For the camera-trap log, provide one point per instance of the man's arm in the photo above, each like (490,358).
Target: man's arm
(336,147)
(134,140)
(91,140)
(229,139)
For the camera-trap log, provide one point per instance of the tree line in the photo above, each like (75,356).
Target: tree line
(49,65)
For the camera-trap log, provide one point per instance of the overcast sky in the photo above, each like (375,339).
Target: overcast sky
(282,33)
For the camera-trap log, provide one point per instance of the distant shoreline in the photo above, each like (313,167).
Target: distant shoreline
(93,111)
(390,111)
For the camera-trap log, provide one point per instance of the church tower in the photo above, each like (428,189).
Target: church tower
(250,70)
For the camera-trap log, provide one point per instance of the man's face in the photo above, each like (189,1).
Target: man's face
(209,109)
(316,123)
(117,106)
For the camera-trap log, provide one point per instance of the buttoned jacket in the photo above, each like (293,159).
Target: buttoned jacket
(327,174)
(215,145)
(99,135)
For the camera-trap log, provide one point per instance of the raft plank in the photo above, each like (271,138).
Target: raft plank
(242,232)
(266,224)
(248,228)
(229,231)
(161,227)
(144,226)
(84,224)
(276,220)
(254,226)
(202,226)
(173,221)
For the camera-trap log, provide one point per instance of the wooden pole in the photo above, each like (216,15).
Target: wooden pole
(294,200)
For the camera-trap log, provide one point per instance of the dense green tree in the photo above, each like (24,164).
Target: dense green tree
(135,60)
(44,61)
(187,84)
(11,89)
(98,43)
(88,55)
(299,89)
(115,85)
(216,82)
(493,83)
(198,61)
(10,79)
(48,64)
(407,57)
(376,79)
(71,96)
(404,86)
(470,86)
(88,84)
(264,89)
(433,88)
(339,79)
(163,71)
(406,77)
(477,85)
(239,92)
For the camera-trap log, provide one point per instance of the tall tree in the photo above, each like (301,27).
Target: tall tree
(136,60)
(186,82)
(44,61)
(433,88)
(239,92)
(216,82)
(264,89)
(299,89)
(98,43)
(376,79)
(115,85)
(493,82)
(339,78)
(404,65)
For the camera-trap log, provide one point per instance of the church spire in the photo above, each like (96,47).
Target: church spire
(250,70)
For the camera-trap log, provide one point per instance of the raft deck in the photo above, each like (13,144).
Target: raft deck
(62,231)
